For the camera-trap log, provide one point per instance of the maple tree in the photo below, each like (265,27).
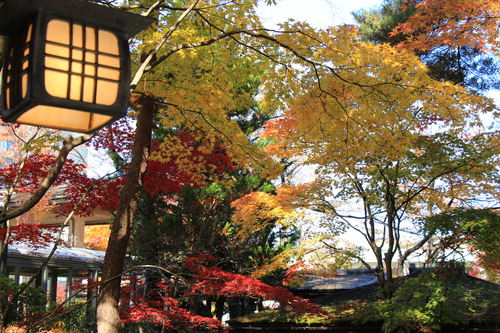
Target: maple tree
(190,68)
(196,220)
(50,149)
(453,39)
(25,165)
(163,304)
(267,213)
(30,163)
(388,152)
(462,31)
(455,23)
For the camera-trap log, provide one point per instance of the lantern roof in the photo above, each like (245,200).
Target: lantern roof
(14,13)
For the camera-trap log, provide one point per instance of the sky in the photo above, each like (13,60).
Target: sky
(319,13)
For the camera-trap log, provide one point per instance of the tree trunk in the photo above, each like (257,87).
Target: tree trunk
(108,318)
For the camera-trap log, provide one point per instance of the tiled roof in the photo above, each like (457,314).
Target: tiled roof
(343,279)
(66,253)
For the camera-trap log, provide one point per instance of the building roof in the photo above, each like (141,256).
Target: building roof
(343,279)
(79,258)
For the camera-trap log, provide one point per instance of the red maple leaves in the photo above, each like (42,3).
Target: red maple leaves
(74,190)
(204,279)
(35,235)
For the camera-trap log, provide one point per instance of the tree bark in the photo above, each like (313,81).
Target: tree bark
(108,318)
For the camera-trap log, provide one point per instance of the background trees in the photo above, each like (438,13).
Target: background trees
(452,39)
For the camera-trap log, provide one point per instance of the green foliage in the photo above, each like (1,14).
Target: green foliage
(426,302)
(75,317)
(274,278)
(278,316)
(472,227)
(377,23)
(198,220)
(476,224)
(32,301)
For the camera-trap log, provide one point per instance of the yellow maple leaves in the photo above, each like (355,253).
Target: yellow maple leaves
(369,100)
(259,210)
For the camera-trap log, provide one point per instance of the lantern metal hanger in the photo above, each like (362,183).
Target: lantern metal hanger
(68,63)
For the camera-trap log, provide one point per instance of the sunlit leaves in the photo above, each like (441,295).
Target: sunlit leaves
(455,23)
(388,143)
(198,85)
(376,107)
(96,236)
(258,210)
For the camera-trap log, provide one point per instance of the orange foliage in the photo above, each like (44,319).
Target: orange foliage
(454,23)
(280,130)
(96,236)
(258,210)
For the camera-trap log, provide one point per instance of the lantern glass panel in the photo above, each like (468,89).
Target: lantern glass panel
(24,85)
(106,92)
(88,90)
(66,118)
(68,65)
(58,31)
(77,36)
(82,63)
(57,83)
(108,43)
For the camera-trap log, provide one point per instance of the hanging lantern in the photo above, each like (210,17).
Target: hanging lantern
(68,64)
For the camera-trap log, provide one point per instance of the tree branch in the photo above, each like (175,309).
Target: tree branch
(68,144)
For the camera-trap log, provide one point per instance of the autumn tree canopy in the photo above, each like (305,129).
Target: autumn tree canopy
(384,136)
(192,70)
(454,23)
(388,151)
(457,41)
